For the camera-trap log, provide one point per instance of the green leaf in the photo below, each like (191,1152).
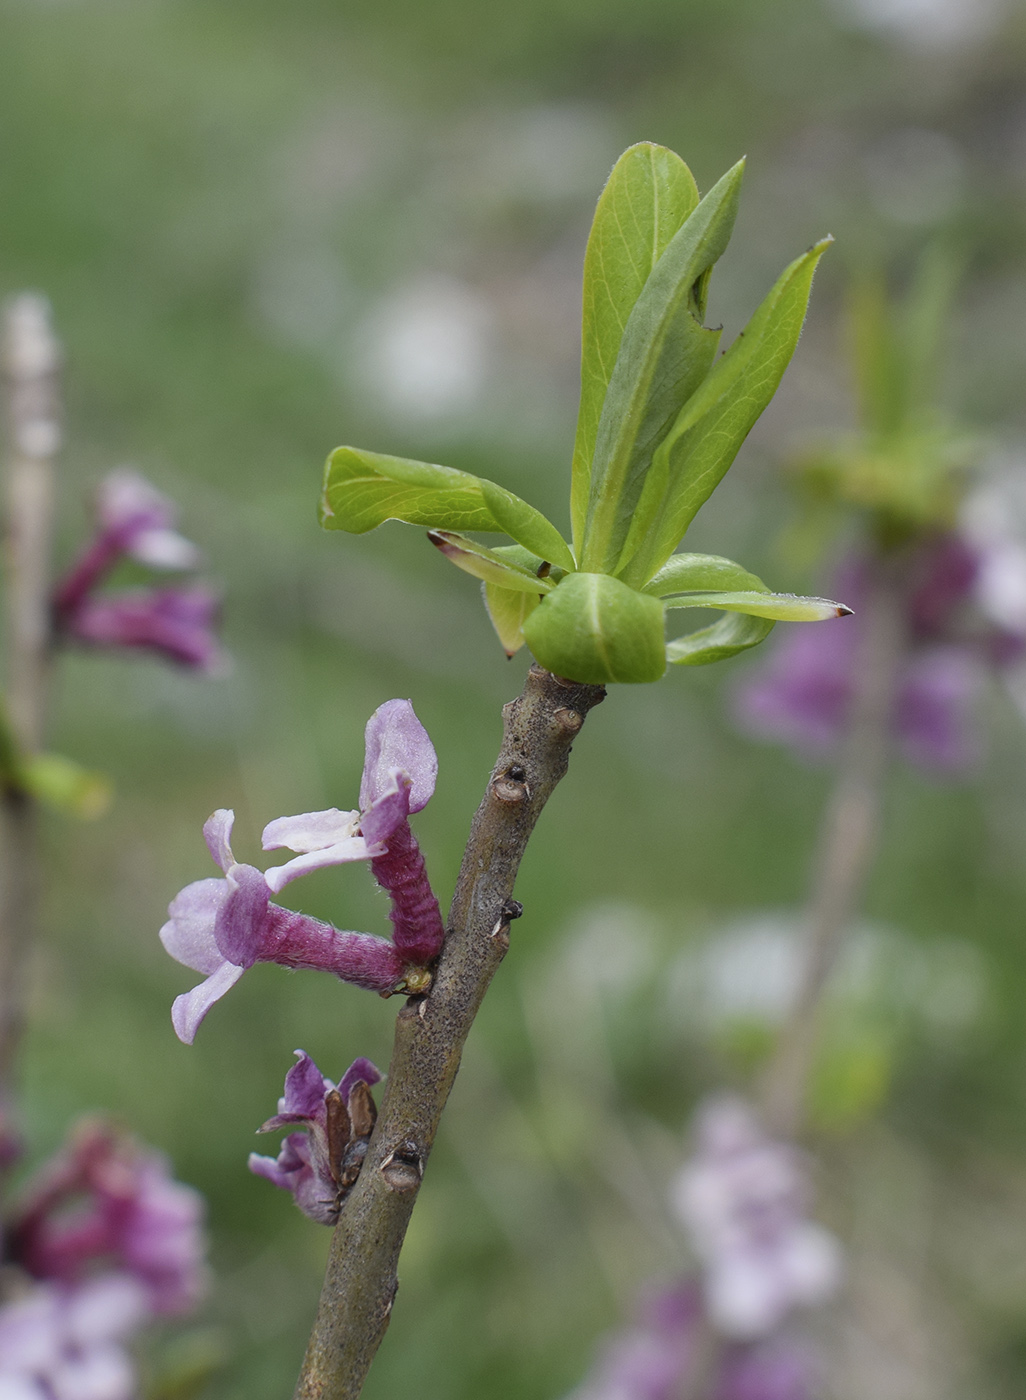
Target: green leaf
(65,785)
(665,354)
(781,607)
(527,526)
(364,489)
(708,433)
(593,628)
(488,564)
(646,199)
(733,633)
(508,612)
(684,573)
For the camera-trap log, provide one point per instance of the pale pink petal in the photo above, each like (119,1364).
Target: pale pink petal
(190,1008)
(124,496)
(813,1263)
(745,1298)
(310,831)
(352,848)
(217,832)
(102,1372)
(106,1308)
(20,1387)
(163,549)
(30,1332)
(397,741)
(188,934)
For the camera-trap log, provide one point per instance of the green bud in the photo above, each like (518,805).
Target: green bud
(595,629)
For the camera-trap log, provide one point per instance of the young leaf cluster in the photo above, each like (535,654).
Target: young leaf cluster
(661,420)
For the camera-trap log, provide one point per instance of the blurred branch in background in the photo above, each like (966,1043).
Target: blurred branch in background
(848,840)
(31,361)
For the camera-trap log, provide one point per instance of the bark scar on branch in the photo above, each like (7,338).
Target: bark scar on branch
(361,1278)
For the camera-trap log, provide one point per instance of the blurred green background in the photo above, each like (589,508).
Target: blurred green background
(269,228)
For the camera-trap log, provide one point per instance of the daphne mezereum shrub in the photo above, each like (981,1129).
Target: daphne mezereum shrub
(661,420)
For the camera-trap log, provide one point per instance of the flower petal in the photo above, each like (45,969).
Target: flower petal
(310,831)
(352,848)
(163,549)
(242,924)
(217,832)
(190,1008)
(125,497)
(361,1068)
(188,934)
(389,810)
(305,1087)
(396,740)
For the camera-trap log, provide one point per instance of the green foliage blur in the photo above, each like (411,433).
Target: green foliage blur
(269,228)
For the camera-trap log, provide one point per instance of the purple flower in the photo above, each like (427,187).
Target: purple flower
(104,1202)
(135,521)
(320,1164)
(743,1199)
(222,927)
(399,772)
(802,694)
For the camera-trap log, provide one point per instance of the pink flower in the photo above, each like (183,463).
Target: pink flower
(222,927)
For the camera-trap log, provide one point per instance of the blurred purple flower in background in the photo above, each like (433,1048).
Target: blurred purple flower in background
(743,1199)
(222,927)
(61,1343)
(319,1164)
(652,1359)
(136,522)
(801,695)
(105,1201)
(104,1242)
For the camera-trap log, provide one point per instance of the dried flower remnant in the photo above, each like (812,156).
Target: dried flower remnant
(135,521)
(743,1199)
(319,1165)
